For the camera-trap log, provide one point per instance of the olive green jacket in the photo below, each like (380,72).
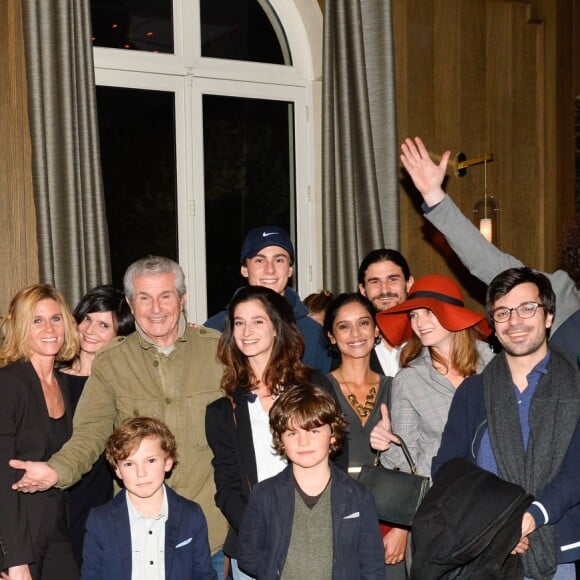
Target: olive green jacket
(132,377)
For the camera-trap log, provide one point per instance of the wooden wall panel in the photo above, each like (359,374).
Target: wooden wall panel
(576,49)
(560,72)
(482,76)
(471,76)
(18,250)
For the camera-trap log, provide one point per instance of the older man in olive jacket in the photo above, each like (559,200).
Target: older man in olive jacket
(166,369)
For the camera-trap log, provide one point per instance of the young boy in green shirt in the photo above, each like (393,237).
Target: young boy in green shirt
(311,520)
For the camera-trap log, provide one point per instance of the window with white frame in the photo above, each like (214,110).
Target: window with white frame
(206,125)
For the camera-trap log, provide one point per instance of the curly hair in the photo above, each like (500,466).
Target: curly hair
(284,368)
(16,324)
(128,435)
(307,406)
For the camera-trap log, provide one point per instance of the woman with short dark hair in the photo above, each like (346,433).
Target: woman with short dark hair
(101,315)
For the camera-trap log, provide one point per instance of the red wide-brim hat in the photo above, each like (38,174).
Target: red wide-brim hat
(438,293)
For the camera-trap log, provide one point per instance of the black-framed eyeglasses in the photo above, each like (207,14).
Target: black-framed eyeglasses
(524,310)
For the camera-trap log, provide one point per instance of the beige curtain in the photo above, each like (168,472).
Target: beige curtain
(359,141)
(71,221)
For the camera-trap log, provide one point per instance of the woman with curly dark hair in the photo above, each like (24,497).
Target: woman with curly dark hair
(261,348)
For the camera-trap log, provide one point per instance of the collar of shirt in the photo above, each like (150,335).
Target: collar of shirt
(534,375)
(148,542)
(135,515)
(388,358)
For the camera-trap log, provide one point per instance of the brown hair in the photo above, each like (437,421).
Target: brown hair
(306,406)
(319,301)
(284,367)
(464,356)
(16,324)
(126,438)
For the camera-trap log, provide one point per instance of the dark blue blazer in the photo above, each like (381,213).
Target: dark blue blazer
(107,547)
(358,552)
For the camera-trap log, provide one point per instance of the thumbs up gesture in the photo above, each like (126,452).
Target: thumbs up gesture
(381,435)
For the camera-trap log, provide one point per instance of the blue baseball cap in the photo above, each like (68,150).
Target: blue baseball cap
(262,237)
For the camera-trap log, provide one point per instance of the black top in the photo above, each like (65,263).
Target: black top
(27,432)
(60,433)
(95,487)
(359,449)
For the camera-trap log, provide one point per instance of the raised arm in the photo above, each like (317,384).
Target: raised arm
(426,175)
(481,258)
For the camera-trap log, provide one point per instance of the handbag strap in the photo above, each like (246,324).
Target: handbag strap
(406,453)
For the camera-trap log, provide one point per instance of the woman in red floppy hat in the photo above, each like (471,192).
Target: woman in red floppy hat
(441,349)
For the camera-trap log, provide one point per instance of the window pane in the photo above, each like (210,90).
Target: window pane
(243,30)
(249,181)
(137,132)
(133,24)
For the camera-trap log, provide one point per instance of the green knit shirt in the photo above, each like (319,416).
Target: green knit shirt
(310,550)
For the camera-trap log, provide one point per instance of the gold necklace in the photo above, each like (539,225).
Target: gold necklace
(363,409)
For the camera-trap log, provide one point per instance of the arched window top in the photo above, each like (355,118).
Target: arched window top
(143,25)
(261,112)
(243,30)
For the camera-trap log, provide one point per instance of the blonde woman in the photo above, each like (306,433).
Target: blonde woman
(35,421)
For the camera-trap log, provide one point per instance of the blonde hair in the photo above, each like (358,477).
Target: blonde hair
(464,356)
(16,324)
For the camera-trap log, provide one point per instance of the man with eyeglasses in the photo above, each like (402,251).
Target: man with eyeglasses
(519,419)
(479,256)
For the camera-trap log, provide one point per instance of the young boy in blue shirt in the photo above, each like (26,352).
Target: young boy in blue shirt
(147,530)
(311,520)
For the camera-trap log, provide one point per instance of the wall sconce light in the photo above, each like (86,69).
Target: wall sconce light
(486,209)
(486,213)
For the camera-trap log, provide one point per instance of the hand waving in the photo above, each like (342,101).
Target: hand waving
(426,175)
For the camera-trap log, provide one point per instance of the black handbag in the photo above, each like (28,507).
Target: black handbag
(397,494)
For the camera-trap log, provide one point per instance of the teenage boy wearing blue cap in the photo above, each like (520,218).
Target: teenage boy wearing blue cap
(267,259)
